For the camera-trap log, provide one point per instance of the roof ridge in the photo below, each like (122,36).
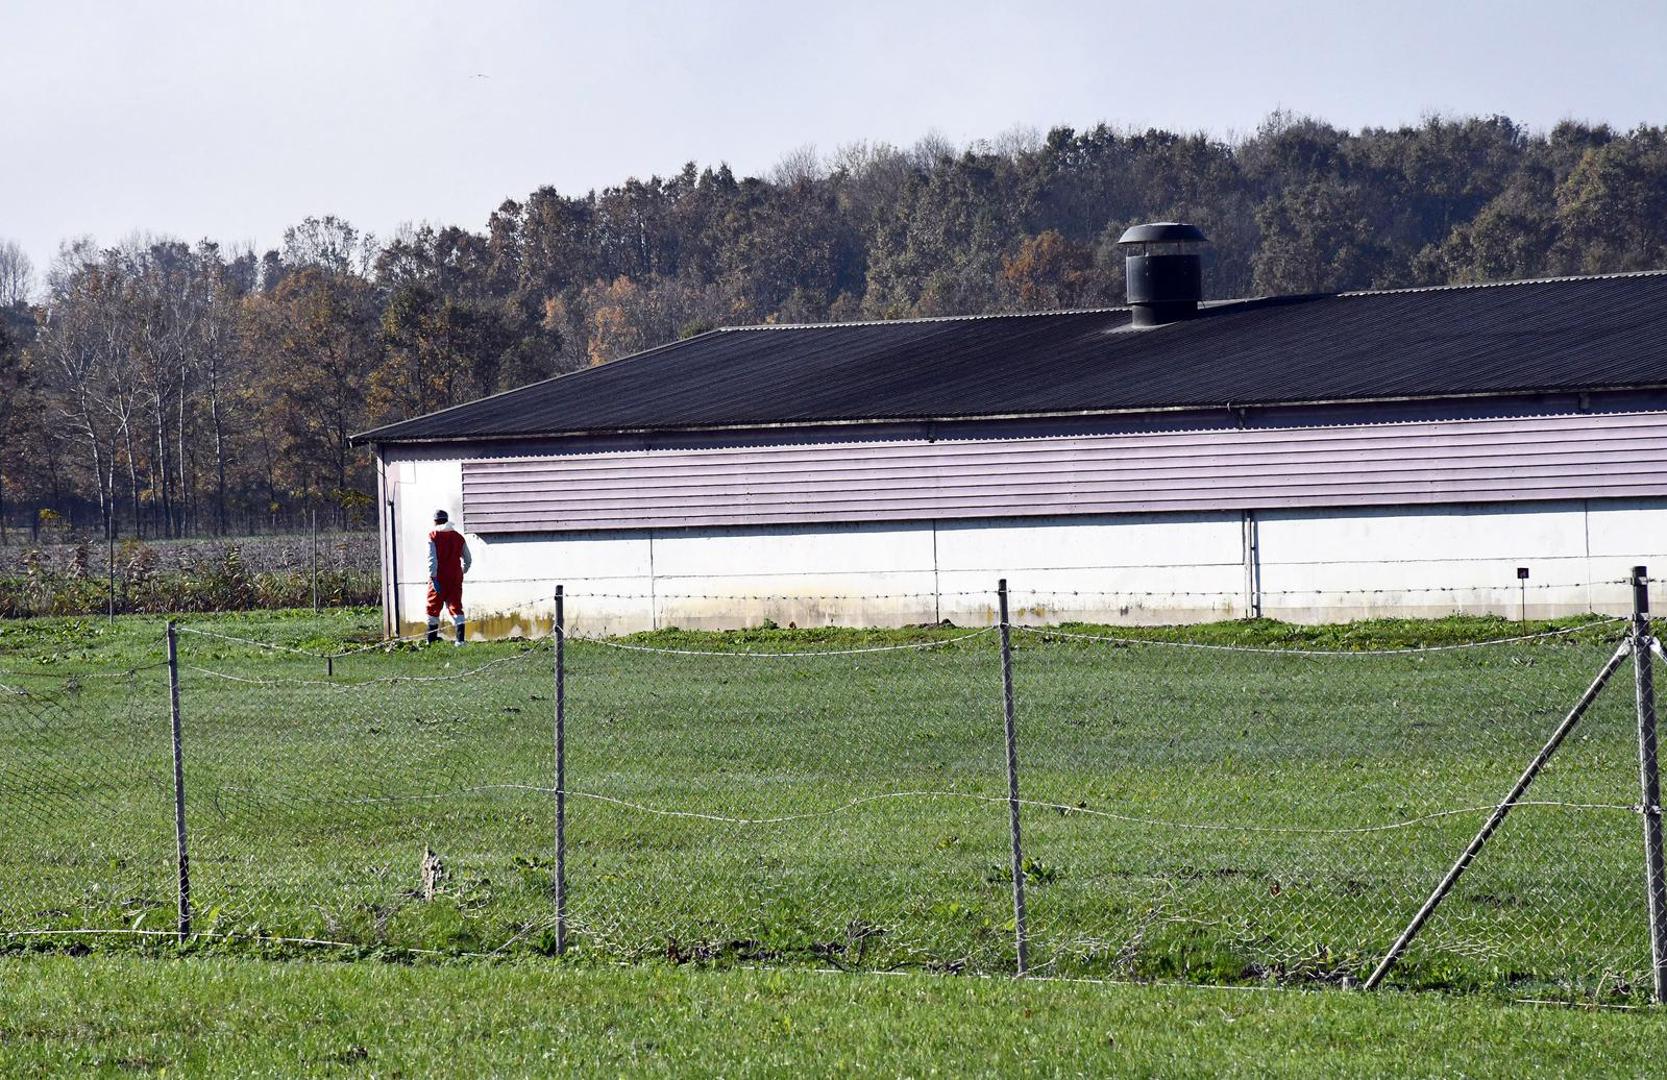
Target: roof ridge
(1118,308)
(1558,279)
(1110,310)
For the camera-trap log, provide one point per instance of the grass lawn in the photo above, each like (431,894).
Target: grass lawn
(122,1015)
(1197,815)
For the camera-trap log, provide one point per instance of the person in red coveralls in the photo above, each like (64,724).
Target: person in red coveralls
(448,561)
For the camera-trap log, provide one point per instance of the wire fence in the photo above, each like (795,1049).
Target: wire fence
(1056,802)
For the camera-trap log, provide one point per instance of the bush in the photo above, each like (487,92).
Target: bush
(227,584)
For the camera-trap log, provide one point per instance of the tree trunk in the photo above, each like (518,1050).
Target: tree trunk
(183,473)
(159,468)
(219,457)
(110,517)
(98,470)
(133,486)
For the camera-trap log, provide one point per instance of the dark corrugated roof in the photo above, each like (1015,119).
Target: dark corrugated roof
(1555,335)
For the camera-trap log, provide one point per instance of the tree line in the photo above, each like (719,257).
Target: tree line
(161,388)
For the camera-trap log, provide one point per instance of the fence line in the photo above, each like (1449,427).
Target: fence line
(913,646)
(352,684)
(1042,631)
(60,676)
(1512,586)
(1062,808)
(1242,813)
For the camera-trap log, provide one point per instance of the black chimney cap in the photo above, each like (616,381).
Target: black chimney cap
(1164,232)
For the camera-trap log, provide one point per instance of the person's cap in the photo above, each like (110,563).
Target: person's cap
(440,517)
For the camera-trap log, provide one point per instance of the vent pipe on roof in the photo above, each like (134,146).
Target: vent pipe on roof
(1165,271)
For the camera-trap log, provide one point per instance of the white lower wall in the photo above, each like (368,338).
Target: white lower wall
(1299,565)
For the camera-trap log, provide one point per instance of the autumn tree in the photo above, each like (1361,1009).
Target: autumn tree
(439,352)
(314,343)
(1049,273)
(179,386)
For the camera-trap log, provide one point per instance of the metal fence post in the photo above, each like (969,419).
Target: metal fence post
(1021,938)
(559,632)
(182,859)
(1649,781)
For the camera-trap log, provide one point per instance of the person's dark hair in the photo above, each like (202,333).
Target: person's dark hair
(440,517)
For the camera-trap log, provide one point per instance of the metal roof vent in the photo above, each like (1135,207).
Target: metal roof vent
(1165,271)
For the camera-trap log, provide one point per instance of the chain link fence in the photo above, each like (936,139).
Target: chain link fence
(86,804)
(1224,814)
(822,804)
(1164,809)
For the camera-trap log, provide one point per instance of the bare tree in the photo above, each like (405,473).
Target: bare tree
(1016,142)
(86,345)
(331,244)
(14,391)
(17,274)
(799,166)
(871,179)
(931,149)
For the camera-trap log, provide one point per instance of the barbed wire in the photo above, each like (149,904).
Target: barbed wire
(375,646)
(383,644)
(1399,590)
(541,605)
(1510,585)
(124,673)
(1042,631)
(582,594)
(212,935)
(800,654)
(271,646)
(342,684)
(314,654)
(1078,808)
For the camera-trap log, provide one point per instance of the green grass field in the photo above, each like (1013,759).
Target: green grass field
(124,1015)
(1198,815)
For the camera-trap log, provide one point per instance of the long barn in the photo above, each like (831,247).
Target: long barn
(1311,458)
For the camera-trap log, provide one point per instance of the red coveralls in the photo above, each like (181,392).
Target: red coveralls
(448,557)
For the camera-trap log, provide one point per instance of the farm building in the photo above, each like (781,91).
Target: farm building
(1317,457)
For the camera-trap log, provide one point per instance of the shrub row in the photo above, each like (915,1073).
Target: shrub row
(226,584)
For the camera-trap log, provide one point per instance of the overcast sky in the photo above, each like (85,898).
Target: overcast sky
(232,120)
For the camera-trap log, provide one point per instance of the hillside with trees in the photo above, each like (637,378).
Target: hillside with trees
(160,387)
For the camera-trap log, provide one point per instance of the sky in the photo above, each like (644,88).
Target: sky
(232,120)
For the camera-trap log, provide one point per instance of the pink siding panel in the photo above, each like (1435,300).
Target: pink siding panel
(1518,459)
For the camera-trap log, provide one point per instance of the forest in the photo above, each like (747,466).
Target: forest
(164,387)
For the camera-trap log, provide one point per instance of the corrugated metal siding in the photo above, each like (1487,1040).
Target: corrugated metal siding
(1530,458)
